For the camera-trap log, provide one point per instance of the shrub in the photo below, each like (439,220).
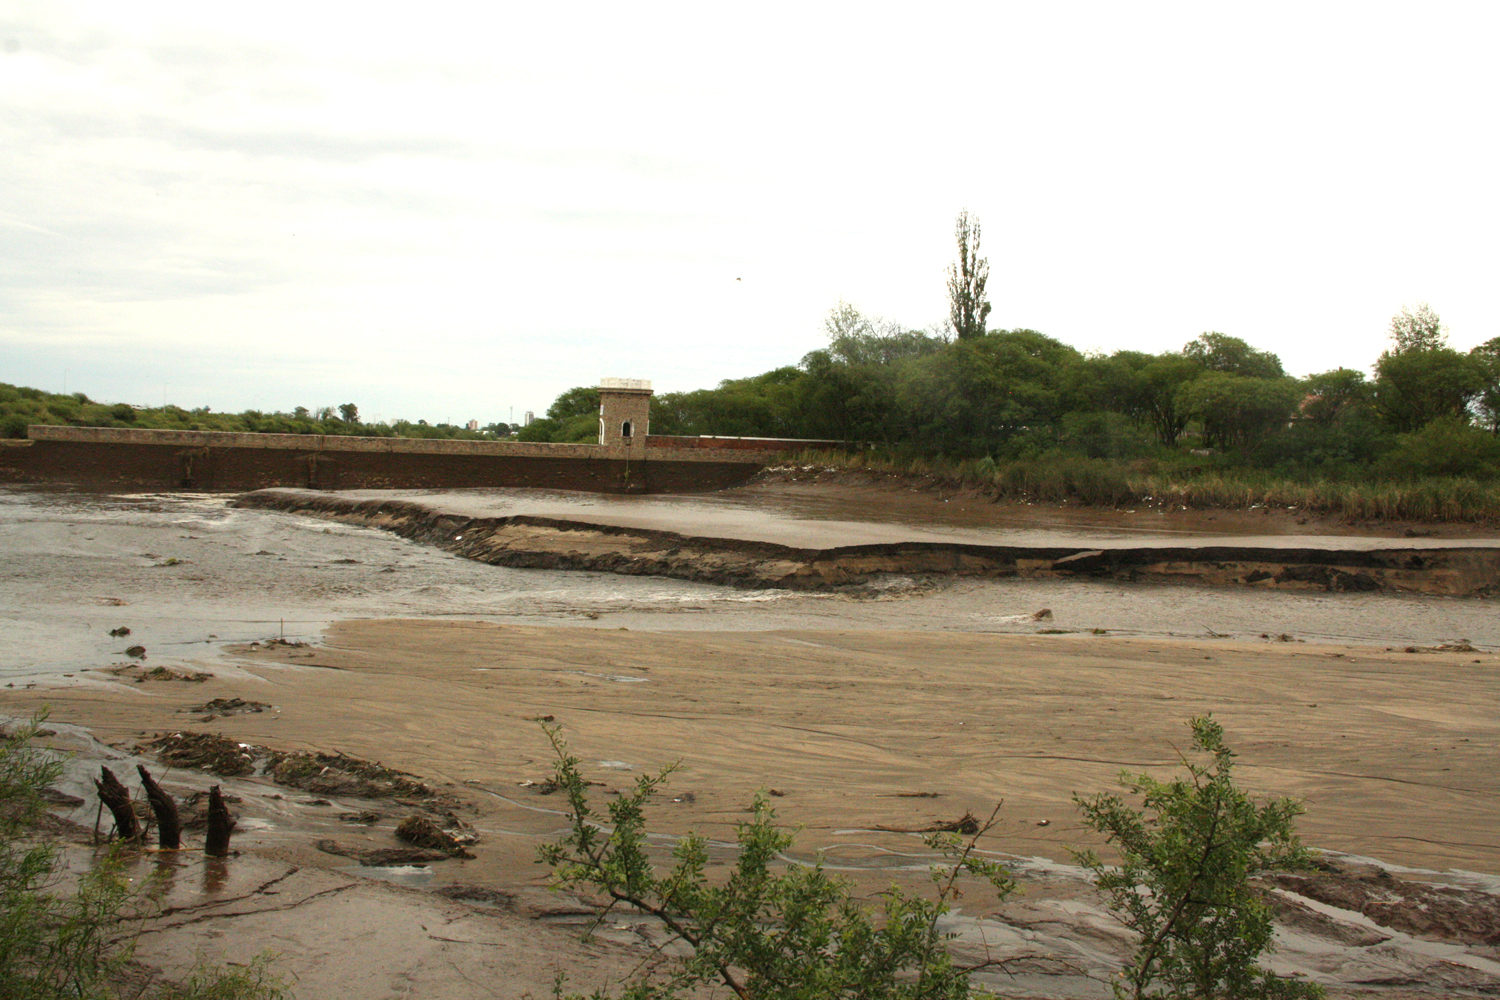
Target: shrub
(1445,447)
(54,946)
(766,935)
(1183,879)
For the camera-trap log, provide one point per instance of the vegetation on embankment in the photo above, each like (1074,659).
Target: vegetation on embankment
(21,406)
(1060,477)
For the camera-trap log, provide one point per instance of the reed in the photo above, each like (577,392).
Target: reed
(1058,477)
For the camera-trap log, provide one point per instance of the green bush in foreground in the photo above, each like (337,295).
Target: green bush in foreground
(1182,885)
(793,935)
(1183,879)
(55,945)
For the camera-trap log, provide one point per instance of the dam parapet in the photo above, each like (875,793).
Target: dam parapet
(222,461)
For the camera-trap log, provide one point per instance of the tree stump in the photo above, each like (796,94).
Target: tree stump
(168,823)
(117,798)
(220,825)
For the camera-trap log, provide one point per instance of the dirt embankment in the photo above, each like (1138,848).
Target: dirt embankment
(550,543)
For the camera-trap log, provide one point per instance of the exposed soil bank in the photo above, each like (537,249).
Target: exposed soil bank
(549,543)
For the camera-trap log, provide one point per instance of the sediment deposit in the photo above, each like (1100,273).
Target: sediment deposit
(523,540)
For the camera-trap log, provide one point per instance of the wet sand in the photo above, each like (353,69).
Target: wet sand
(1393,753)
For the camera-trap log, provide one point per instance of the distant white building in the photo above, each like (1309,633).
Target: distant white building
(472,425)
(527,418)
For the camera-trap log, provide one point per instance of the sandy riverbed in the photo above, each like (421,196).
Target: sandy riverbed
(859,715)
(1392,752)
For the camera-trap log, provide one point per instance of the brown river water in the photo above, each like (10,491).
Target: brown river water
(186,573)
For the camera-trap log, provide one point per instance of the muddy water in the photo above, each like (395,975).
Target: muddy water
(186,574)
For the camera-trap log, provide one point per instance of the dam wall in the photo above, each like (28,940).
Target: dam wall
(217,461)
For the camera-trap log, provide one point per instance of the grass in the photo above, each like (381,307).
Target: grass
(1059,477)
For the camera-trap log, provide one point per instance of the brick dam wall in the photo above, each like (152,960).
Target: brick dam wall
(215,461)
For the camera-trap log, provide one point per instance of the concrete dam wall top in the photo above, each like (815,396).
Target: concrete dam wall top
(127,457)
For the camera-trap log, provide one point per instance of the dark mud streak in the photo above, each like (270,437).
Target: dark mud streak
(513,541)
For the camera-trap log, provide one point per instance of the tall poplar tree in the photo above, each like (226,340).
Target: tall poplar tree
(967,306)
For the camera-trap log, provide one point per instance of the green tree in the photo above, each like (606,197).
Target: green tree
(1183,881)
(1238,409)
(1218,352)
(349,413)
(577,401)
(1153,392)
(765,932)
(1332,394)
(968,309)
(1417,329)
(1487,404)
(1416,386)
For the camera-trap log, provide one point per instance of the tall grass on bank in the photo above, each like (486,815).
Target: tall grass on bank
(1058,478)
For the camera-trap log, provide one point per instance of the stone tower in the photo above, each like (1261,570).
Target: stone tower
(624,412)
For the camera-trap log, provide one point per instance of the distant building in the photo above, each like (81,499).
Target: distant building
(472,425)
(527,419)
(624,412)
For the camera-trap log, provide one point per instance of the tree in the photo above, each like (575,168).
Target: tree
(1332,394)
(1416,386)
(1218,352)
(764,933)
(1417,330)
(577,401)
(1183,881)
(1487,405)
(349,413)
(1153,396)
(967,307)
(1238,409)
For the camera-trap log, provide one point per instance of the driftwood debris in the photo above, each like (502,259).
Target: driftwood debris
(220,825)
(968,826)
(117,798)
(168,823)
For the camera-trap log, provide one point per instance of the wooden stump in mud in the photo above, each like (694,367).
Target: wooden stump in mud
(220,825)
(168,823)
(117,798)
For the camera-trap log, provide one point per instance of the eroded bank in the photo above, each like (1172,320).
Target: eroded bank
(524,540)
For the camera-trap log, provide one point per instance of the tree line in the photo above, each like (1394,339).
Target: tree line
(22,406)
(1014,394)
(965,392)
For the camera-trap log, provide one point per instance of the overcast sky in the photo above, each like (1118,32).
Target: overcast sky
(453,210)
